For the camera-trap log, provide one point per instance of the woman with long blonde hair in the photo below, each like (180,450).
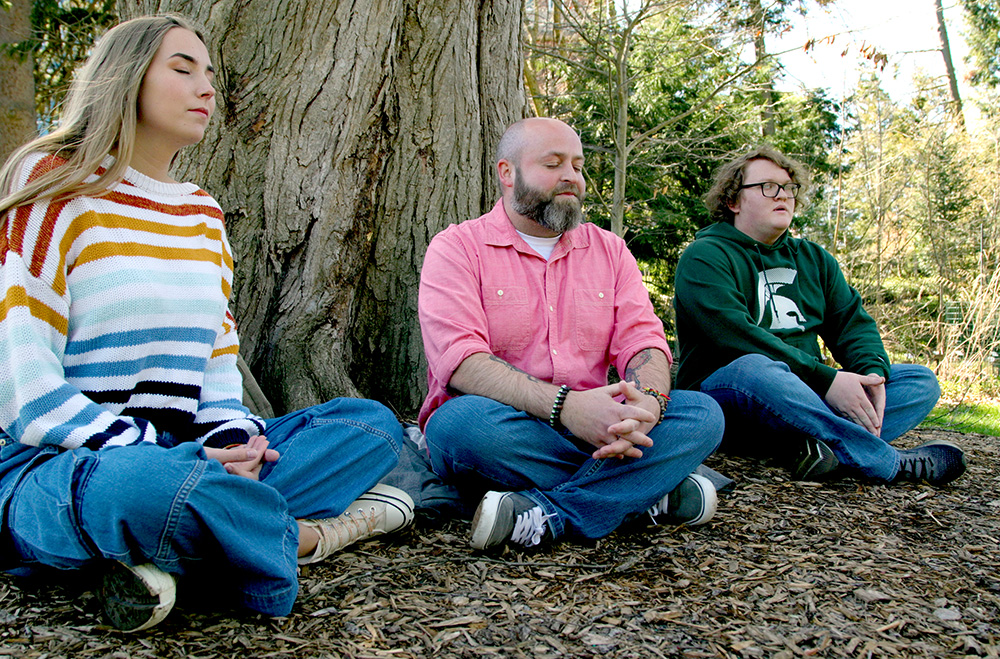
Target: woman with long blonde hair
(125,446)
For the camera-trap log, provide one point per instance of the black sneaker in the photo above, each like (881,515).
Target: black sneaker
(813,460)
(693,502)
(136,597)
(937,462)
(508,517)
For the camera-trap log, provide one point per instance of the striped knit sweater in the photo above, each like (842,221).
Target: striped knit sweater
(114,326)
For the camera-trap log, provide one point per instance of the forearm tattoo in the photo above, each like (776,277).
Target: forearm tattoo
(531,378)
(640,359)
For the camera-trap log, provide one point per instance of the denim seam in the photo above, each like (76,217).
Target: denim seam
(372,430)
(77,525)
(174,516)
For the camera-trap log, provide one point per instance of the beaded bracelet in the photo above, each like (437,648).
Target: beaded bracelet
(662,399)
(558,405)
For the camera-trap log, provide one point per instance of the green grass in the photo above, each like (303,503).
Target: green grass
(978,417)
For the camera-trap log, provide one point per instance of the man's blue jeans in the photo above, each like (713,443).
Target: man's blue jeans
(183,512)
(768,409)
(479,444)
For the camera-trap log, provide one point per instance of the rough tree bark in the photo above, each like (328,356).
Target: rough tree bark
(17,84)
(347,134)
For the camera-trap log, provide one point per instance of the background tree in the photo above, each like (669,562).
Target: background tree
(17,91)
(880,173)
(753,21)
(61,35)
(983,20)
(949,65)
(661,91)
(346,136)
(589,60)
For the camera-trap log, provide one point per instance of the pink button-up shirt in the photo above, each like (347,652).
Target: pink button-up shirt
(565,320)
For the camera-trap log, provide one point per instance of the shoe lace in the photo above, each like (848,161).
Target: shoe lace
(917,466)
(350,527)
(529,527)
(656,510)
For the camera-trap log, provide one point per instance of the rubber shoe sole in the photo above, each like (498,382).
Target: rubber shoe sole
(493,522)
(137,597)
(398,506)
(693,502)
(509,517)
(814,461)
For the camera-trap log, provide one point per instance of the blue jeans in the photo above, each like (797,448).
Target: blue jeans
(480,444)
(183,512)
(768,409)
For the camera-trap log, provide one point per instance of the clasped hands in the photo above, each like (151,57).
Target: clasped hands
(616,429)
(859,398)
(245,460)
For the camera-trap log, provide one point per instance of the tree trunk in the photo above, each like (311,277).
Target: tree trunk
(346,136)
(768,98)
(17,83)
(621,91)
(949,66)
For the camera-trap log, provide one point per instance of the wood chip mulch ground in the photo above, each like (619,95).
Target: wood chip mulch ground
(786,569)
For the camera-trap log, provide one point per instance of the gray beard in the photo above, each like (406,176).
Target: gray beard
(557,215)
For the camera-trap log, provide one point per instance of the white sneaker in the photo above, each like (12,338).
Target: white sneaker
(693,502)
(382,509)
(508,517)
(136,597)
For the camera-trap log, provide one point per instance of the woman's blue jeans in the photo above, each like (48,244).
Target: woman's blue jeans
(183,512)
(480,444)
(768,409)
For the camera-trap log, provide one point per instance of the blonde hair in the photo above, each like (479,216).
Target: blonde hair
(101,113)
(728,180)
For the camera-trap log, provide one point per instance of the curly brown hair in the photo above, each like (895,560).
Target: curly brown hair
(728,179)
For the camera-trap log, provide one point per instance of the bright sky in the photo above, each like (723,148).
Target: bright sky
(905,30)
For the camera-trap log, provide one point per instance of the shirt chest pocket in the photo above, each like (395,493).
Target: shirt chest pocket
(507,316)
(595,318)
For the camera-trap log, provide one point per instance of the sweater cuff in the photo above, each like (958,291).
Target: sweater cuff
(226,438)
(822,379)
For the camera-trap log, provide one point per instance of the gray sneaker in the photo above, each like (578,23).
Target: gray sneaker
(508,517)
(136,597)
(693,502)
(813,460)
(937,462)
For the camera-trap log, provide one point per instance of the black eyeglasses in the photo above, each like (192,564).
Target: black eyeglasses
(770,188)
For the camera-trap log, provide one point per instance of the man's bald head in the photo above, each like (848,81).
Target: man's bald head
(520,133)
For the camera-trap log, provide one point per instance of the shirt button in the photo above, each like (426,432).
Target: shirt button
(551,308)
(600,295)
(555,352)
(500,292)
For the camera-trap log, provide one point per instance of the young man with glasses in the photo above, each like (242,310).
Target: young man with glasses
(752,302)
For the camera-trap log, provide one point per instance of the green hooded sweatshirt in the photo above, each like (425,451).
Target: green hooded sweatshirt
(736,296)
